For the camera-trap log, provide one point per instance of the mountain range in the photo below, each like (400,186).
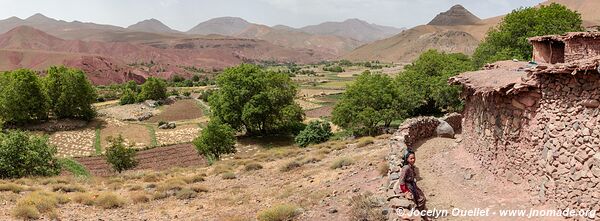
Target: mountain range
(456,30)
(116,54)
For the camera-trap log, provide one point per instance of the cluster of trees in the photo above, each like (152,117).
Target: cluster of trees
(508,40)
(62,93)
(23,154)
(421,89)
(152,89)
(195,81)
(335,68)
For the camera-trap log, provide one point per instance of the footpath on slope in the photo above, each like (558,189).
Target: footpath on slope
(452,178)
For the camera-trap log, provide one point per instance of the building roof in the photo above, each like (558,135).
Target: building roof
(565,37)
(574,67)
(508,77)
(503,77)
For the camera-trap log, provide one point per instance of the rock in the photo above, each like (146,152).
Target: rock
(590,103)
(151,103)
(444,130)
(170,125)
(401,202)
(394,176)
(332,210)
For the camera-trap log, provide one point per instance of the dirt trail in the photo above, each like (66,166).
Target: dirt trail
(452,178)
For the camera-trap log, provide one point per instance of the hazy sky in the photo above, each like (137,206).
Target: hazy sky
(184,14)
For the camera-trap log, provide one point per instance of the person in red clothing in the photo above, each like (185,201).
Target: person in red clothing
(408,183)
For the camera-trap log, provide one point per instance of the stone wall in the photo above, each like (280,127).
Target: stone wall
(581,48)
(548,140)
(409,133)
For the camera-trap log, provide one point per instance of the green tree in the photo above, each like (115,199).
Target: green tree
(215,140)
(128,97)
(22,98)
(372,99)
(257,101)
(424,83)
(132,85)
(23,154)
(120,156)
(153,89)
(70,93)
(315,132)
(508,40)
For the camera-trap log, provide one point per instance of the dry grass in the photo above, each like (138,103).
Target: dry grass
(67,188)
(342,162)
(365,207)
(282,212)
(383,168)
(36,203)
(199,189)
(153,177)
(84,198)
(222,168)
(229,176)
(253,166)
(174,184)
(363,142)
(139,197)
(289,166)
(109,200)
(194,179)
(186,193)
(159,195)
(15,188)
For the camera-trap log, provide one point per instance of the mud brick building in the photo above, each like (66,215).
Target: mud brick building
(538,123)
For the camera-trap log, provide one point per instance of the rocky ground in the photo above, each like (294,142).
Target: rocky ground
(231,189)
(452,178)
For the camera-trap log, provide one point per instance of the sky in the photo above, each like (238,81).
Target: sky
(185,14)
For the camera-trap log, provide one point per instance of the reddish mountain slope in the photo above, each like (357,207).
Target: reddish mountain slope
(109,61)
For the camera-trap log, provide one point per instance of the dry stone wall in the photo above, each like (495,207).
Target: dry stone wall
(547,139)
(409,133)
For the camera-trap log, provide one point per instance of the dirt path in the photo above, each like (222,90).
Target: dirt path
(452,178)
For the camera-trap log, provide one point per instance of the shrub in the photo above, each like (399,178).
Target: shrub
(187,94)
(120,156)
(228,176)
(128,97)
(216,139)
(279,213)
(316,132)
(194,179)
(70,93)
(173,93)
(109,201)
(185,194)
(341,162)
(16,146)
(153,89)
(253,166)
(159,195)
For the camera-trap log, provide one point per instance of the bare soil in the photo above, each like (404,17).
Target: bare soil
(186,109)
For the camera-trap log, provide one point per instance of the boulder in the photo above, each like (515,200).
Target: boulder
(401,202)
(151,103)
(444,130)
(170,125)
